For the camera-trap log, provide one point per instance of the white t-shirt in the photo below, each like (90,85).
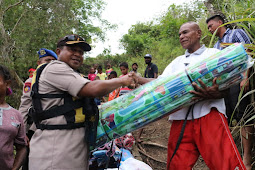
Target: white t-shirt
(201,108)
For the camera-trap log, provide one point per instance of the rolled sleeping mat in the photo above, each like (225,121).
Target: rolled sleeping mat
(163,96)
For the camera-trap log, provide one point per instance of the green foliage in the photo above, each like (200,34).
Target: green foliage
(236,9)
(139,38)
(27,26)
(42,23)
(161,37)
(103,60)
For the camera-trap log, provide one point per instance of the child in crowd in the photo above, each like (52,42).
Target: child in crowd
(92,74)
(124,71)
(95,68)
(12,130)
(99,99)
(109,70)
(100,73)
(114,94)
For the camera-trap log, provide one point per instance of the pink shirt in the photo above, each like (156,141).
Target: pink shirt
(91,77)
(12,131)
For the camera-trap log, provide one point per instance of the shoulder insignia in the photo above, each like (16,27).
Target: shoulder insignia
(27,87)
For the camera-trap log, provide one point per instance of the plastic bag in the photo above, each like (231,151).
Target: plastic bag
(134,164)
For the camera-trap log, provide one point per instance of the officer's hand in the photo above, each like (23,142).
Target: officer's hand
(205,92)
(136,77)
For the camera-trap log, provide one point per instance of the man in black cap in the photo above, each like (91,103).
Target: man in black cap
(151,70)
(65,107)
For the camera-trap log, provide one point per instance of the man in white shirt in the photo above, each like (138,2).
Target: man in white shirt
(206,132)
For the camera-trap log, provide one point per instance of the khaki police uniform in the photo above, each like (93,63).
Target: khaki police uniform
(26,101)
(59,149)
(25,104)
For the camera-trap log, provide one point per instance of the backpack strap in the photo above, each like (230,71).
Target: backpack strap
(181,133)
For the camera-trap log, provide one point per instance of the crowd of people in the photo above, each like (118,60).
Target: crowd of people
(54,126)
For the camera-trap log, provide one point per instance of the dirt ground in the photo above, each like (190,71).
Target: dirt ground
(157,134)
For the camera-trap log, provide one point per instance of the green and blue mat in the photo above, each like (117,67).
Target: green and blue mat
(163,96)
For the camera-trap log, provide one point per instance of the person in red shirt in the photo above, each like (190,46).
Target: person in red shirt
(92,75)
(124,71)
(114,94)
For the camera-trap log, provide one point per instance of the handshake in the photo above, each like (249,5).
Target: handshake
(131,80)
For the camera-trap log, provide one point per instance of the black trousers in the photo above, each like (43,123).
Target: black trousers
(25,164)
(231,101)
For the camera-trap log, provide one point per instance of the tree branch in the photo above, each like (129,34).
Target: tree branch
(13,5)
(210,7)
(213,11)
(1,1)
(17,22)
(2,30)
(154,144)
(18,79)
(155,159)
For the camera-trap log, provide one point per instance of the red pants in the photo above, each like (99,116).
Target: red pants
(208,136)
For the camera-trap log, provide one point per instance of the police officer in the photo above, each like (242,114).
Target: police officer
(58,142)
(45,56)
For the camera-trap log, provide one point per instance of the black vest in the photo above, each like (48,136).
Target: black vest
(88,105)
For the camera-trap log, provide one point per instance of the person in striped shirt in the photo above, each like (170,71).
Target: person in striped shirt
(227,35)
(224,34)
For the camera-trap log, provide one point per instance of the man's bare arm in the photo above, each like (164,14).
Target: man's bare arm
(20,156)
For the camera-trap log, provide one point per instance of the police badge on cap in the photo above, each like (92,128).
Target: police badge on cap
(43,52)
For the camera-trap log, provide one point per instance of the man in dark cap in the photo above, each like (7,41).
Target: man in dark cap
(58,142)
(151,70)
(45,56)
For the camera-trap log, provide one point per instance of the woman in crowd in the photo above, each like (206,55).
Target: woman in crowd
(12,131)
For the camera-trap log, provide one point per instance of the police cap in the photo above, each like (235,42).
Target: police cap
(74,39)
(43,52)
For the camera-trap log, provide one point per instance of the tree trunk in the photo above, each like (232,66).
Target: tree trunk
(214,11)
(7,45)
(210,7)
